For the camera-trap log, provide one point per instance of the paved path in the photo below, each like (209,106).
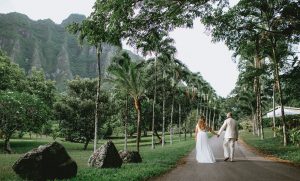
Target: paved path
(247,167)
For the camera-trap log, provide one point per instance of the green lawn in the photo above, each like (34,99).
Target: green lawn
(272,146)
(155,162)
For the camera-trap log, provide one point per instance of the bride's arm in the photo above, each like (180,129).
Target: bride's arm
(210,130)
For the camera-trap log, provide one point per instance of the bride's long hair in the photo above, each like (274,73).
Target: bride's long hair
(201,122)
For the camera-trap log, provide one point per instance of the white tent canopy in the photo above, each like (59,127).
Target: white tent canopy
(287,111)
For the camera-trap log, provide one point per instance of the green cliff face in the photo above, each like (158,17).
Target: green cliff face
(46,45)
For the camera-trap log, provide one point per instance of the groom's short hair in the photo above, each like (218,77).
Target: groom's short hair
(229,114)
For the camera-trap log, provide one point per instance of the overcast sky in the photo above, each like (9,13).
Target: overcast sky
(194,47)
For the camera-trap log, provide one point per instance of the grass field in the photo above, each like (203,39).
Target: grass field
(272,146)
(155,162)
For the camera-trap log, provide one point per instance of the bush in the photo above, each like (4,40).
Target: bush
(294,136)
(246,125)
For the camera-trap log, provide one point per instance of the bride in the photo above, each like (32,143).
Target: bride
(204,153)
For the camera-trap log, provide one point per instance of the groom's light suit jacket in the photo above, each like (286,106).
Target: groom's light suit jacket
(231,128)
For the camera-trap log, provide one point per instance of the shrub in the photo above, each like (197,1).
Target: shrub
(246,125)
(294,136)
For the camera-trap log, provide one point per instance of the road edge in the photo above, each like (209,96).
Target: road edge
(267,156)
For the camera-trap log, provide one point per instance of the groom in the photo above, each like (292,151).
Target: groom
(231,136)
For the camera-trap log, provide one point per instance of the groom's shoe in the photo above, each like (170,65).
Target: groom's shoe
(226,159)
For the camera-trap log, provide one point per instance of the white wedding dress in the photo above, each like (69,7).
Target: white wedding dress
(204,153)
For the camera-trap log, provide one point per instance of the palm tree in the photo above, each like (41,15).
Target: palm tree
(96,31)
(148,43)
(167,51)
(178,66)
(128,77)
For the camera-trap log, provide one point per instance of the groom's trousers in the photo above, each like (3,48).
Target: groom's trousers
(228,146)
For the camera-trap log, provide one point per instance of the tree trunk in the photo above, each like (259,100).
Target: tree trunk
(257,107)
(171,122)
(163,124)
(86,143)
(282,107)
(164,112)
(125,124)
(209,118)
(274,121)
(253,123)
(6,145)
(206,115)
(213,124)
(157,135)
(154,102)
(185,130)
(97,113)
(277,79)
(138,109)
(258,96)
(179,121)
(260,110)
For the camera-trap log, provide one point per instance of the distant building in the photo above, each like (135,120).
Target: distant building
(287,111)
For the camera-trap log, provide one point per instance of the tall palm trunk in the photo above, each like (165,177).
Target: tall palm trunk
(282,107)
(97,113)
(154,102)
(213,124)
(262,136)
(185,128)
(253,123)
(171,121)
(257,106)
(125,124)
(274,121)
(138,109)
(209,118)
(278,83)
(258,97)
(206,115)
(164,112)
(163,124)
(179,121)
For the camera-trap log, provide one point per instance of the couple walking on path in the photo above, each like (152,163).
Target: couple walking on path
(248,166)
(204,153)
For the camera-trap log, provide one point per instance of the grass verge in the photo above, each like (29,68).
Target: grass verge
(155,162)
(272,146)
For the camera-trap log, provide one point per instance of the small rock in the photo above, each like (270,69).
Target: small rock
(130,156)
(49,161)
(106,156)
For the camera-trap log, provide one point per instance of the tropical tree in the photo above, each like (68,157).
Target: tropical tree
(97,31)
(128,77)
(20,112)
(38,85)
(167,53)
(176,69)
(75,110)
(262,24)
(11,75)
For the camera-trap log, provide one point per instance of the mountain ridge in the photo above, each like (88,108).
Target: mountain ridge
(48,46)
